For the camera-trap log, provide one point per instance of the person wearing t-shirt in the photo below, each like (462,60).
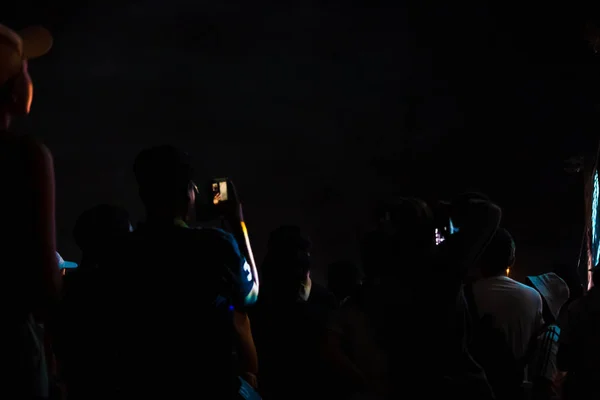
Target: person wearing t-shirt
(178,309)
(513,310)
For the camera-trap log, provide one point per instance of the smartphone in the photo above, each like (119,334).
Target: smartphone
(219,191)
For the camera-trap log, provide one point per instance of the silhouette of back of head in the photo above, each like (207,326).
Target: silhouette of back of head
(164,175)
(499,254)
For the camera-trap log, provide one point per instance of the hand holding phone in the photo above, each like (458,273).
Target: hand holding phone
(226,204)
(225,199)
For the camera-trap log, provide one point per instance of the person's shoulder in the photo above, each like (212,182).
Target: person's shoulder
(527,292)
(34,146)
(212,232)
(215,234)
(215,238)
(36,152)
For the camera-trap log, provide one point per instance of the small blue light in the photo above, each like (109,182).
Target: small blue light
(231,308)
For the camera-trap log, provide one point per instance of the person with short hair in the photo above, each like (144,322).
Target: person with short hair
(178,303)
(507,316)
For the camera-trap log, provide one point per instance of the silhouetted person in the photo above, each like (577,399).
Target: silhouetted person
(476,220)
(507,316)
(371,334)
(31,276)
(287,325)
(344,279)
(99,232)
(579,351)
(179,295)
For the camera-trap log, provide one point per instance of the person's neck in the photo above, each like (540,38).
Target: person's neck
(163,218)
(489,276)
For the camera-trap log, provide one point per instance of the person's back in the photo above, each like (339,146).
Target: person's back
(176,294)
(169,280)
(516,308)
(288,339)
(507,316)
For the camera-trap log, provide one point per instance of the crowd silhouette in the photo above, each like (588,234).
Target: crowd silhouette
(430,311)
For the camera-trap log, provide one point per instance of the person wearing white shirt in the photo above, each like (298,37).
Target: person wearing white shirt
(510,311)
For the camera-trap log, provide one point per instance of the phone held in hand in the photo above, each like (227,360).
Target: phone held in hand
(219,191)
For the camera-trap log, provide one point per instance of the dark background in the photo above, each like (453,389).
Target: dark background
(316,109)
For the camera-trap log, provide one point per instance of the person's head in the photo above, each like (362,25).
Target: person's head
(498,255)
(343,277)
(16,87)
(406,234)
(164,177)
(287,263)
(98,229)
(554,292)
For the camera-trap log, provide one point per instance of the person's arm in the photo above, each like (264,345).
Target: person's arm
(239,230)
(43,246)
(540,365)
(240,286)
(246,347)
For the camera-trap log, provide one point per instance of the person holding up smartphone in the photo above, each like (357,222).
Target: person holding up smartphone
(178,302)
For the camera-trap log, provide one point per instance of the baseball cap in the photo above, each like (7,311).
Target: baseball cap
(62,264)
(15,47)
